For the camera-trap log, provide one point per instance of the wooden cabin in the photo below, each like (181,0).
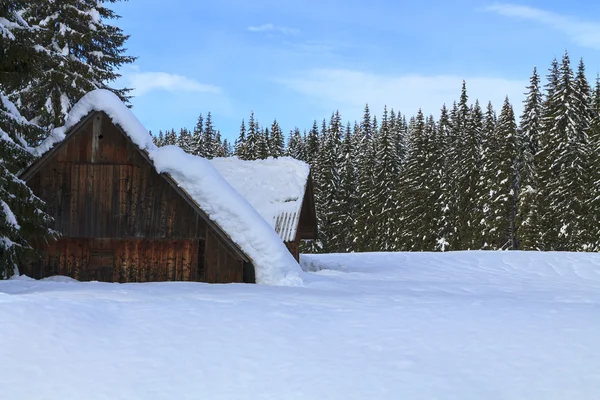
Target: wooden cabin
(121,220)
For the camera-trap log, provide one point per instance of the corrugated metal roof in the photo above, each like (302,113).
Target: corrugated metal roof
(286,225)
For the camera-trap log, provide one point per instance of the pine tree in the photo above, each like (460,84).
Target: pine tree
(445,202)
(565,178)
(546,232)
(252,139)
(400,131)
(170,138)
(328,181)
(344,207)
(23,221)
(198,137)
(160,139)
(421,187)
(452,211)
(475,165)
(530,131)
(219,149)
(594,200)
(91,53)
(240,143)
(227,149)
(208,139)
(386,191)
(185,141)
(467,123)
(263,150)
(502,162)
(295,146)
(276,142)
(488,176)
(365,219)
(312,147)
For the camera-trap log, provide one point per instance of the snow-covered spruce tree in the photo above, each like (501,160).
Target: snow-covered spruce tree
(252,139)
(547,233)
(209,138)
(170,138)
(465,154)
(365,220)
(185,141)
(219,149)
(530,131)
(386,198)
(227,149)
(503,187)
(454,155)
(23,221)
(594,138)
(345,205)
(295,147)
(158,139)
(488,175)
(240,143)
(263,149)
(198,137)
(564,169)
(85,53)
(276,141)
(421,187)
(356,143)
(400,131)
(473,162)
(329,182)
(583,150)
(445,202)
(312,148)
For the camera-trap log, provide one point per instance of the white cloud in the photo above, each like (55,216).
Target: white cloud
(349,90)
(146,82)
(584,33)
(274,28)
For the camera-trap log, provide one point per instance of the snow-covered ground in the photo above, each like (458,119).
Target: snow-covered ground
(467,325)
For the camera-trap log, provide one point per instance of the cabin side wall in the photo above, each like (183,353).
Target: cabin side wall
(307,225)
(115,260)
(294,248)
(221,264)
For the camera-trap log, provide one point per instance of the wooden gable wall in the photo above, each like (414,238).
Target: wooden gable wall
(120,220)
(98,185)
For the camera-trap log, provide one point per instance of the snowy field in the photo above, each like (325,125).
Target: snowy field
(466,325)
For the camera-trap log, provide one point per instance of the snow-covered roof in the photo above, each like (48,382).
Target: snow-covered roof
(275,187)
(273,263)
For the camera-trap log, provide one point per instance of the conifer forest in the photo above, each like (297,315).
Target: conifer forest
(474,176)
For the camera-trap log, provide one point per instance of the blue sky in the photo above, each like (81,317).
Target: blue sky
(299,60)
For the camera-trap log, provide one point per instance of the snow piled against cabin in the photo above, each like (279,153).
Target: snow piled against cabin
(274,265)
(465,326)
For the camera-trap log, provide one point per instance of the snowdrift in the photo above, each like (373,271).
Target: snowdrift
(468,326)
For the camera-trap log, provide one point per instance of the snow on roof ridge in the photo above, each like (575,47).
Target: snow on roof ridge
(274,265)
(109,103)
